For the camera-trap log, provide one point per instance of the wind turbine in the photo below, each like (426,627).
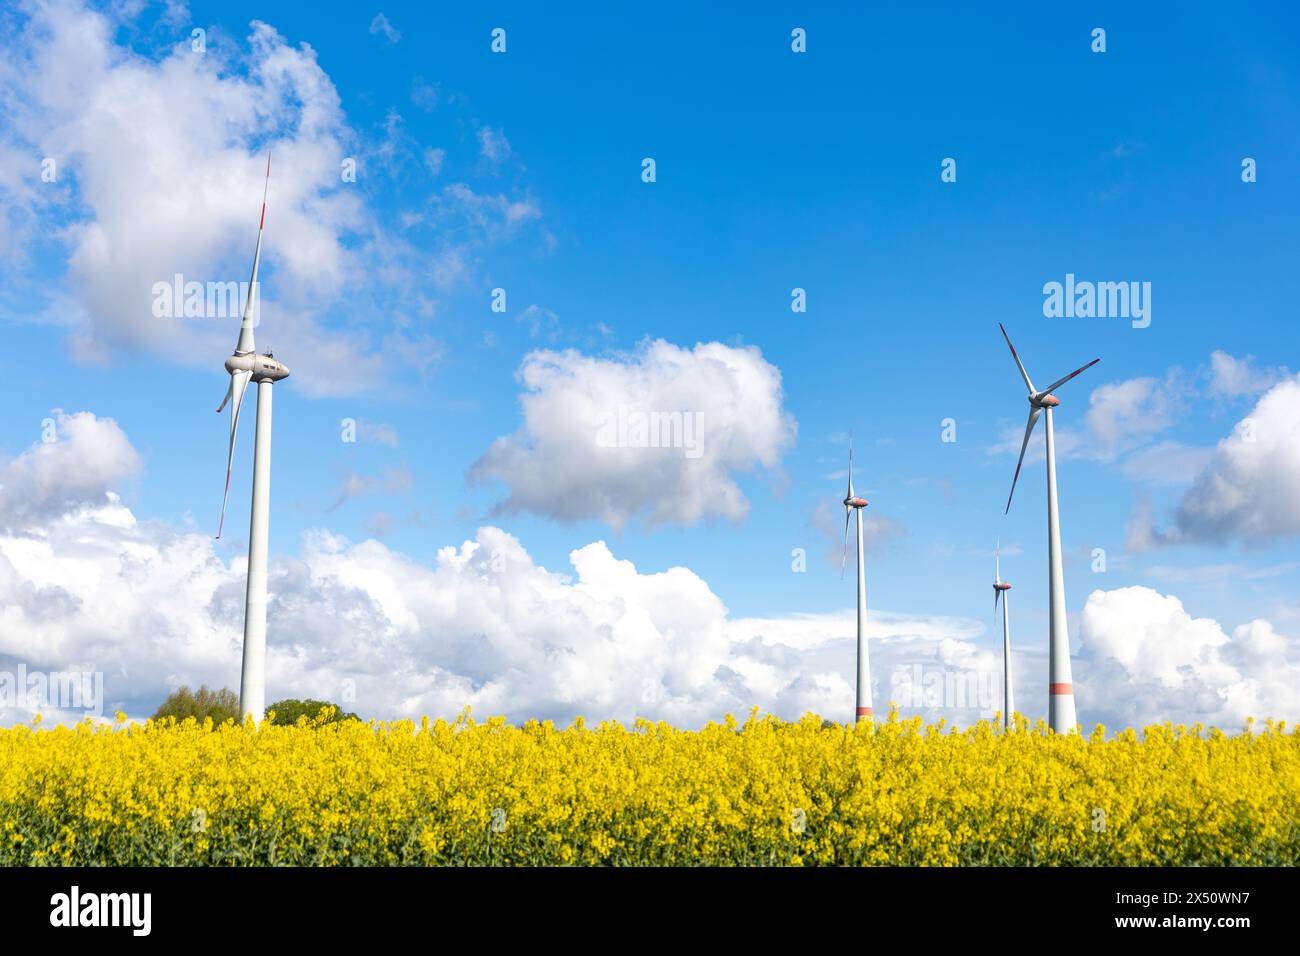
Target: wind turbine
(1000,589)
(1061,716)
(245,366)
(853,506)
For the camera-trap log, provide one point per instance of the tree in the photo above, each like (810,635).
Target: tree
(206,702)
(288,711)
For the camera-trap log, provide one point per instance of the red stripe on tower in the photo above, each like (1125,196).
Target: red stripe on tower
(1060,689)
(864,711)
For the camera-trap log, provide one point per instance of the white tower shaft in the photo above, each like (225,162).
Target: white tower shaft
(1008,696)
(864,711)
(1060,690)
(252,685)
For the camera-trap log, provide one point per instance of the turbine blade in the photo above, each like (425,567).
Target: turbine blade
(245,344)
(230,390)
(238,385)
(1055,385)
(997,563)
(844,559)
(850,491)
(1029,427)
(997,596)
(1019,364)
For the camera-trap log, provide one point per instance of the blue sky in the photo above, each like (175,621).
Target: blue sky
(775,170)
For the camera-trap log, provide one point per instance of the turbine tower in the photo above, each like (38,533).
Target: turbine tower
(246,365)
(853,506)
(1000,589)
(1061,715)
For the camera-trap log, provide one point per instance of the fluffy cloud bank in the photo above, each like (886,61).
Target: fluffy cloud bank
(85,586)
(658,434)
(190,149)
(1250,489)
(153,167)
(1149,660)
(78,458)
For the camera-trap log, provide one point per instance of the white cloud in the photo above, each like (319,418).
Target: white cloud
(83,458)
(1120,417)
(191,148)
(1151,661)
(85,586)
(151,608)
(379,26)
(1123,414)
(1247,492)
(1166,463)
(1232,377)
(582,452)
(161,158)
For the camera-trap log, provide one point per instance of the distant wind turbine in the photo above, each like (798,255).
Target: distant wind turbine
(1061,715)
(1000,589)
(245,366)
(853,506)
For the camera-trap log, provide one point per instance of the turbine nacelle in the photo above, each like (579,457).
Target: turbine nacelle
(855,502)
(261,368)
(1002,586)
(1039,399)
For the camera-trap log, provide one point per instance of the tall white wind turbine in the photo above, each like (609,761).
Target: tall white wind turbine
(1000,589)
(853,506)
(1061,715)
(245,366)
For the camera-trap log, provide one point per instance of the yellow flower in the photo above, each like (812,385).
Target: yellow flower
(763,792)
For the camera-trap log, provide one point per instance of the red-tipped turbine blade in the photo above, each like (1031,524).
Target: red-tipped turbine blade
(238,385)
(1029,427)
(1019,364)
(1055,385)
(844,559)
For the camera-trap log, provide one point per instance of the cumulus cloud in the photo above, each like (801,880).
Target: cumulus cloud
(1121,416)
(1235,377)
(194,139)
(485,626)
(1149,660)
(77,461)
(658,434)
(1247,491)
(146,146)
(1124,414)
(87,587)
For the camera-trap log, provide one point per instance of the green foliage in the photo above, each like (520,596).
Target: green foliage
(288,711)
(220,705)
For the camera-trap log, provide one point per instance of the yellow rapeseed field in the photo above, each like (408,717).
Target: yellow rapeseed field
(761,792)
